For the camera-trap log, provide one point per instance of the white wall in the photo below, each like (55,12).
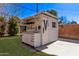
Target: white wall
(40,38)
(50,34)
(32,39)
(28,39)
(37,40)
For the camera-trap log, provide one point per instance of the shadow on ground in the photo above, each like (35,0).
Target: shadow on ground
(32,49)
(70,40)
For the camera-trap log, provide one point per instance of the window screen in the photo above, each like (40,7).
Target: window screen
(53,25)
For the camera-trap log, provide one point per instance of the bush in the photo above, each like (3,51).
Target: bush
(53,12)
(12,28)
(2,26)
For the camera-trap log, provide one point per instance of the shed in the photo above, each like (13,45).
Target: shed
(41,29)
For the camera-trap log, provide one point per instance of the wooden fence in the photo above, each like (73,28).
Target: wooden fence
(69,31)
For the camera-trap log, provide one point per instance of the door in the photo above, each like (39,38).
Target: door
(44,31)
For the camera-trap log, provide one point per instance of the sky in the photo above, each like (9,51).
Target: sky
(68,10)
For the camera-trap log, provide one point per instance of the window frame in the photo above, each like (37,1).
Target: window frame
(53,24)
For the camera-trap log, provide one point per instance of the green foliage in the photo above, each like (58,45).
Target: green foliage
(2,25)
(62,20)
(13,23)
(52,12)
(73,22)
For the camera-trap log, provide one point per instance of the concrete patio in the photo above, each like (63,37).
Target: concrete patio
(62,47)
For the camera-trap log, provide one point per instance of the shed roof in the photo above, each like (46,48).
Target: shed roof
(32,17)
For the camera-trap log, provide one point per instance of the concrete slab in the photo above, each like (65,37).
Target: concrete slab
(62,48)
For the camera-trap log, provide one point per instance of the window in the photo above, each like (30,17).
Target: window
(23,28)
(53,24)
(39,27)
(30,23)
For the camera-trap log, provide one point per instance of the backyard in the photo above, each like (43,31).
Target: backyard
(12,46)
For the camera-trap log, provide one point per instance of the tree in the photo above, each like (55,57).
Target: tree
(73,22)
(2,26)
(3,4)
(60,21)
(8,10)
(53,12)
(13,26)
(63,20)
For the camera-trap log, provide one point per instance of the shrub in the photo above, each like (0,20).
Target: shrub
(2,26)
(53,12)
(13,23)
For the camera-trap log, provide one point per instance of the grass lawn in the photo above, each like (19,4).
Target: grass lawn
(11,46)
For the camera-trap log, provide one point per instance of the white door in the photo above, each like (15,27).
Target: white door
(53,30)
(44,30)
(49,31)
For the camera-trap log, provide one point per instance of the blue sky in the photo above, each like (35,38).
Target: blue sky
(69,10)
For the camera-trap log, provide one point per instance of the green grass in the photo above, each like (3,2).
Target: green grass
(11,46)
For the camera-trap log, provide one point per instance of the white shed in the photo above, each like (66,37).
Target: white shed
(41,29)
